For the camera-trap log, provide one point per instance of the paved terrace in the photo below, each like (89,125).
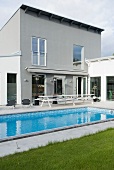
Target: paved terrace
(24,144)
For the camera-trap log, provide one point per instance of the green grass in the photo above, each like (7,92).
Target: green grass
(93,152)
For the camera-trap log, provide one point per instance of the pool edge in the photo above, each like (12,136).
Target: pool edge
(54,130)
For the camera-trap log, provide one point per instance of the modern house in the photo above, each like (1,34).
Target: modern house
(44,54)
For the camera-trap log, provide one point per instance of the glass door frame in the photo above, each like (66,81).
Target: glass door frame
(76,83)
(110,88)
(36,77)
(12,84)
(63,78)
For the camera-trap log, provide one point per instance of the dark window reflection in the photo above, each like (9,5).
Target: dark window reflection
(110,88)
(77,53)
(37,85)
(95,86)
(11,87)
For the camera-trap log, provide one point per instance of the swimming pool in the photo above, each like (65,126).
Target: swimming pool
(19,125)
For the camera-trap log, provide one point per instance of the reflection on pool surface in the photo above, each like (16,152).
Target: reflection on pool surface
(26,123)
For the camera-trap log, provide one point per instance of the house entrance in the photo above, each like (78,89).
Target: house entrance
(57,86)
(79,85)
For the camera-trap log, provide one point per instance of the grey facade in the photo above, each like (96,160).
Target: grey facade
(60,34)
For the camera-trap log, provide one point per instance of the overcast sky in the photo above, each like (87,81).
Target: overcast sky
(99,13)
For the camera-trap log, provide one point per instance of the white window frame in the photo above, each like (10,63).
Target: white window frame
(38,52)
(82,54)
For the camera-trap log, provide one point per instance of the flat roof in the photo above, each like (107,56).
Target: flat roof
(99,59)
(61,19)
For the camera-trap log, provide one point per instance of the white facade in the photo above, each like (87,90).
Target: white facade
(9,65)
(101,67)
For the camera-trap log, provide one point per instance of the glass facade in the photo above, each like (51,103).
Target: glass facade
(38,51)
(95,86)
(11,87)
(58,86)
(37,85)
(77,53)
(110,87)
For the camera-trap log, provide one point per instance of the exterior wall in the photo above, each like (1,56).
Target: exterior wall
(69,85)
(60,40)
(10,36)
(9,65)
(16,35)
(101,69)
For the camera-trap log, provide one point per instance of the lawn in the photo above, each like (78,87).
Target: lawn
(93,152)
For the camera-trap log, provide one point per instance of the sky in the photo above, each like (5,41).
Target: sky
(98,13)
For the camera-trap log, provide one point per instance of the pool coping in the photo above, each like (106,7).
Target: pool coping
(52,109)
(56,129)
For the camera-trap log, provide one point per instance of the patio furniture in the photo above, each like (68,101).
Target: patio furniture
(46,99)
(56,99)
(64,98)
(36,101)
(26,101)
(11,103)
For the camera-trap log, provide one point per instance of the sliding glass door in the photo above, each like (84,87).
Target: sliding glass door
(79,85)
(57,86)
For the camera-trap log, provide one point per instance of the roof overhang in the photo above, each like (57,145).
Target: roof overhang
(52,71)
(99,59)
(62,19)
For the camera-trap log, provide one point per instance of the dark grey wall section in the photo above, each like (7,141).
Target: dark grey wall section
(69,85)
(49,84)
(26,84)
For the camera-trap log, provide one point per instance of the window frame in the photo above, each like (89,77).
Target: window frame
(96,88)
(38,53)
(82,55)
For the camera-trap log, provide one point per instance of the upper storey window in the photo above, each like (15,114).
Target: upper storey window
(39,51)
(77,53)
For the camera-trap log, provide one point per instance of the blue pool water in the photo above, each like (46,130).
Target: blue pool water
(26,123)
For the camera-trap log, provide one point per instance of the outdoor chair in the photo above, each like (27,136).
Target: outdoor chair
(26,101)
(11,103)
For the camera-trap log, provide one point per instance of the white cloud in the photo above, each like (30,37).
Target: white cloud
(97,13)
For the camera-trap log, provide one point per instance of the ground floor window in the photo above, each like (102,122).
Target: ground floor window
(11,87)
(37,85)
(95,86)
(110,87)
